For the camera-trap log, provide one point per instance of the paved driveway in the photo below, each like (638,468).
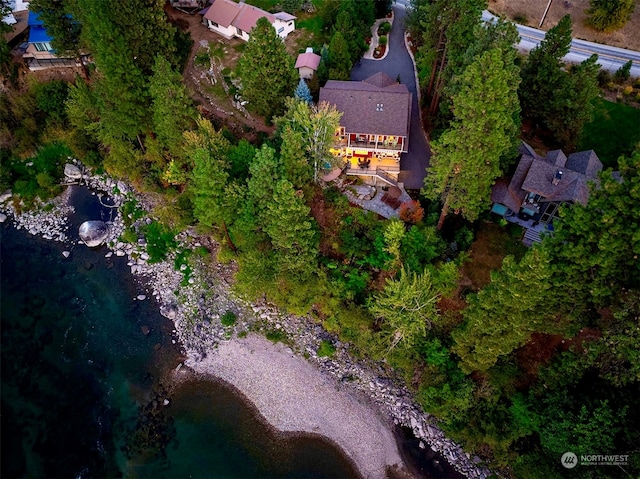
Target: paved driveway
(398,62)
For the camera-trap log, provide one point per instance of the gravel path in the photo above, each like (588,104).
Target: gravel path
(292,395)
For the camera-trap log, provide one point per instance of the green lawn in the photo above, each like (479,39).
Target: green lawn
(310,23)
(614,131)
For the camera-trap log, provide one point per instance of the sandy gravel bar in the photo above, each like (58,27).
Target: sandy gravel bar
(292,395)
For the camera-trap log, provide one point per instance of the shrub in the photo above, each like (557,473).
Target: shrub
(383,40)
(276,336)
(160,241)
(202,59)
(326,349)
(520,18)
(229,318)
(623,73)
(385,27)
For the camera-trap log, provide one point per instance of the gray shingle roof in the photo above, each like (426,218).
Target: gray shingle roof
(536,174)
(585,162)
(377,105)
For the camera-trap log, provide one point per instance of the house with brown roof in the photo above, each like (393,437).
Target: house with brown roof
(231,19)
(374,128)
(307,63)
(541,184)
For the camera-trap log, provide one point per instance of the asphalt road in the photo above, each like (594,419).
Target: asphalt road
(610,58)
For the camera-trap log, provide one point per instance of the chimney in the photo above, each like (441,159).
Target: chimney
(557,178)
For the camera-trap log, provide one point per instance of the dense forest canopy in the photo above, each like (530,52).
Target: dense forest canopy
(538,360)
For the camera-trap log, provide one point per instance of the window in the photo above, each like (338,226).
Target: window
(379,107)
(280,30)
(43,46)
(213,24)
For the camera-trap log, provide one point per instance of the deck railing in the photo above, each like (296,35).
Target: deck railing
(377,172)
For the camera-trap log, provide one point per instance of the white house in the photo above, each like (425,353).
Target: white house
(231,19)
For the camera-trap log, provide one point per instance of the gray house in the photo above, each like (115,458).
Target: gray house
(541,184)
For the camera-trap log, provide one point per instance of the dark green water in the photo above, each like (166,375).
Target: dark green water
(82,389)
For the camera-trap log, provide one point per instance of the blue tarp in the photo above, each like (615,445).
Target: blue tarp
(37,32)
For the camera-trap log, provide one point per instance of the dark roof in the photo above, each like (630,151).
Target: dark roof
(585,162)
(554,177)
(377,105)
(557,158)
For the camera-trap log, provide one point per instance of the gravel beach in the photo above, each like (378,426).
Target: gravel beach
(294,396)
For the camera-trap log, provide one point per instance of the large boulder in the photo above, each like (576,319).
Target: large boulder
(93,233)
(72,171)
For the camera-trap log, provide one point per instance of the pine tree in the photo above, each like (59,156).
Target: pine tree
(448,28)
(302,92)
(267,71)
(573,103)
(295,164)
(339,58)
(292,231)
(265,172)
(208,181)
(172,108)
(467,157)
(595,249)
(501,317)
(542,73)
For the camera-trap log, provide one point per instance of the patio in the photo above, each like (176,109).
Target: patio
(381,200)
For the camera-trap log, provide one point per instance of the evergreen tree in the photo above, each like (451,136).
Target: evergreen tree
(267,71)
(302,92)
(624,72)
(595,249)
(501,35)
(208,181)
(573,104)
(609,15)
(292,231)
(265,172)
(466,158)
(172,108)
(323,67)
(295,164)
(500,318)
(339,58)
(556,100)
(240,157)
(448,28)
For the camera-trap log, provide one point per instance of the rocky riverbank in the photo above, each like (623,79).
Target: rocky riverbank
(194,297)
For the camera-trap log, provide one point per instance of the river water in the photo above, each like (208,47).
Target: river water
(84,368)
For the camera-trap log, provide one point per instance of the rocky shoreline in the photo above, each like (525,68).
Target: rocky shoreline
(195,298)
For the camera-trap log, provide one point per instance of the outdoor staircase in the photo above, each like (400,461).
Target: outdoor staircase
(530,237)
